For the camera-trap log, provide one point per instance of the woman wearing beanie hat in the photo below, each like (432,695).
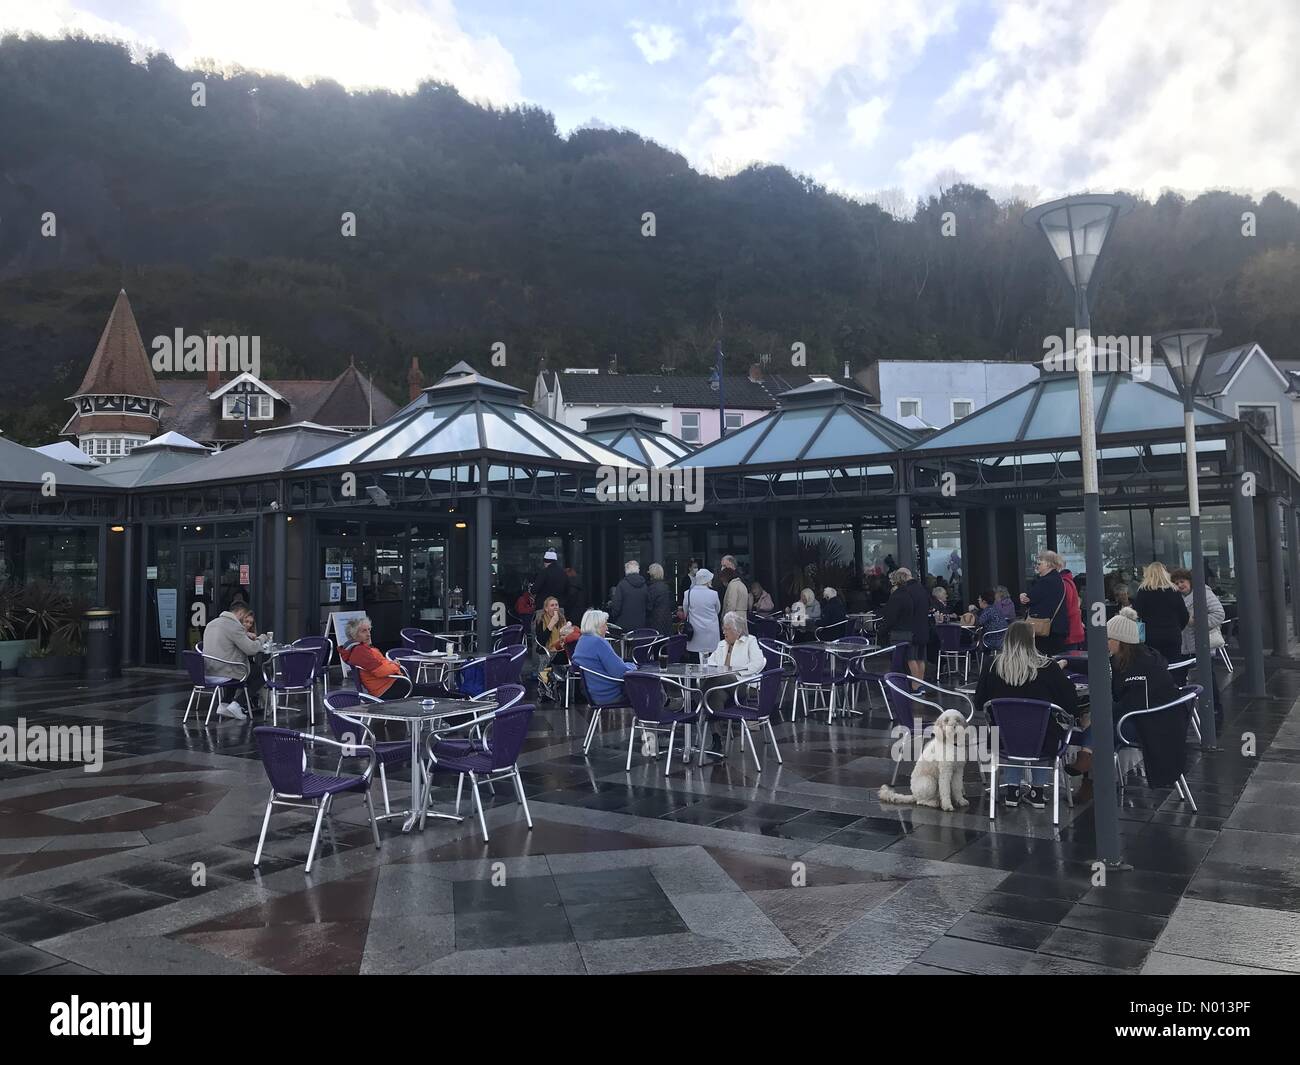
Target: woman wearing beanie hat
(1129,660)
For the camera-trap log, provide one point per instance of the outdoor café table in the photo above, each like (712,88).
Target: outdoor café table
(438,661)
(415,712)
(690,676)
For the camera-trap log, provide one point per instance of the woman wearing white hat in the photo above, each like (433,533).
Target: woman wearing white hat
(701,607)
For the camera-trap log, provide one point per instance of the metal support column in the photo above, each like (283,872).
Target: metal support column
(991,547)
(906,552)
(1051,530)
(280,579)
(1277,592)
(657,536)
(126,625)
(483,563)
(1293,564)
(1248,606)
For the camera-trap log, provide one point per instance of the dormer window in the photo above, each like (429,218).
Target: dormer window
(260,408)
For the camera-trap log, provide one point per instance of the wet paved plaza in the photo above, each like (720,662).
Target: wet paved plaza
(146,867)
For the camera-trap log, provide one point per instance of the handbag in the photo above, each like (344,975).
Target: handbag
(688,630)
(1043,626)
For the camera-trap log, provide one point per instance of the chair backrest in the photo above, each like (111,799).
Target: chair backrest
(993,639)
(193,663)
(854,641)
(1021,724)
(509,695)
(811,663)
(283,754)
(1181,670)
(645,691)
(898,702)
(295,669)
(898,660)
(764,627)
(347,731)
(497,669)
(830,632)
(645,654)
(509,729)
(471,678)
(769,691)
(508,637)
(949,636)
(776,653)
(513,670)
(644,631)
(324,648)
(674,649)
(420,639)
(1188,696)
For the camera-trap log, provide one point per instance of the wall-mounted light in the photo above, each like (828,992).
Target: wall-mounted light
(117,528)
(461,525)
(289,518)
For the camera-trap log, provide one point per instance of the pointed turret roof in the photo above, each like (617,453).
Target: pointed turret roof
(120,365)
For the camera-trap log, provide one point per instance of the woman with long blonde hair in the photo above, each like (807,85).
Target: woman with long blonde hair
(1162,611)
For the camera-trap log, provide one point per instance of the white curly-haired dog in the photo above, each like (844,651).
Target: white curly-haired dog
(937,775)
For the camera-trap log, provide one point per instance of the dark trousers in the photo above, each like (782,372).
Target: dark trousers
(1051,644)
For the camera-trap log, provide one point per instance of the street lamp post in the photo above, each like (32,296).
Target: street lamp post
(1076,228)
(722,398)
(1183,351)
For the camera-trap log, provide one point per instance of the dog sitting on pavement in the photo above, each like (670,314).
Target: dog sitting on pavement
(937,775)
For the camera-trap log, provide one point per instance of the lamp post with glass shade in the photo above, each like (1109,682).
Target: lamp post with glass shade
(1076,228)
(1183,352)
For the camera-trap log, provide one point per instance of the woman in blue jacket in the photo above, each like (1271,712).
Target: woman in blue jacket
(593,651)
(1046,599)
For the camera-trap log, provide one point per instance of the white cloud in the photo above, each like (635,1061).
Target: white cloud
(657,43)
(778,66)
(391,44)
(1125,94)
(866,120)
(589,83)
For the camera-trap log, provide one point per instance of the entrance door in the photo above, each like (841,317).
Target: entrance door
(234,579)
(198,592)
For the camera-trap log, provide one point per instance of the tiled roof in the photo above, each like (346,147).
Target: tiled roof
(120,365)
(342,402)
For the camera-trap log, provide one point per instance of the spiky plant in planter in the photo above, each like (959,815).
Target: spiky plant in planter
(52,619)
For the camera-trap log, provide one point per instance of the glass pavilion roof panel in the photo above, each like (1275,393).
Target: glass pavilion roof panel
(789,436)
(995,424)
(844,436)
(731,450)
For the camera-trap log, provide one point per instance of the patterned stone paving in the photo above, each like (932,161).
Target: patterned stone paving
(147,865)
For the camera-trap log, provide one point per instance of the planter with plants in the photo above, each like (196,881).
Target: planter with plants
(50,619)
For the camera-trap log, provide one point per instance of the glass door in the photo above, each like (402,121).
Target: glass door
(198,593)
(428,581)
(234,579)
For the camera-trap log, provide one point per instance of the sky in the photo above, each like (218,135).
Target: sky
(879,99)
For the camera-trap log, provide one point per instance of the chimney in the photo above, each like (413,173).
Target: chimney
(414,379)
(210,361)
(756,373)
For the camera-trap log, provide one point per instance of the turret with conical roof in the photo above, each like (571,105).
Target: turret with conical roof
(118,404)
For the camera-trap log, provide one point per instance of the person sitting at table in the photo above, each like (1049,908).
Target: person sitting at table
(700,609)
(833,609)
(939,603)
(556,634)
(1005,603)
(812,614)
(592,651)
(762,599)
(1021,672)
(737,651)
(230,637)
(380,675)
(1129,659)
(985,614)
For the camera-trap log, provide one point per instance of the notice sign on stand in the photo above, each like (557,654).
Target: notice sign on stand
(243,574)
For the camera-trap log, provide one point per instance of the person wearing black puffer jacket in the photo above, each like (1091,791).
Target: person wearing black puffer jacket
(659,601)
(1046,599)
(1161,608)
(907,618)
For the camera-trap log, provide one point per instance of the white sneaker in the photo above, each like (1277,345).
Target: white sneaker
(232,710)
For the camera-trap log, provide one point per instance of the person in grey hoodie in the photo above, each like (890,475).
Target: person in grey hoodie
(630,600)
(225,637)
(1216,615)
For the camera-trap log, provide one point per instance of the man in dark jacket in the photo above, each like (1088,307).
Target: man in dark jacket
(659,601)
(630,601)
(552,581)
(907,618)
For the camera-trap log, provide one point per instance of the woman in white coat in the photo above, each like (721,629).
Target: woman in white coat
(737,651)
(701,606)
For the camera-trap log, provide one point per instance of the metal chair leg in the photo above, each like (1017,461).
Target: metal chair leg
(193,692)
(523,799)
(383,780)
(374,823)
(672,736)
(776,749)
(212,705)
(261,840)
(315,836)
(478,805)
(631,739)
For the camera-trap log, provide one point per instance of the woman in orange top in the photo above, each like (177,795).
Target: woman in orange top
(380,675)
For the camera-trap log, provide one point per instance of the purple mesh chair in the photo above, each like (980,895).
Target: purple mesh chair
(512,672)
(647,654)
(817,673)
(598,709)
(778,657)
(954,649)
(674,650)
(324,648)
(831,633)
(223,674)
(764,628)
(498,758)
(745,714)
(1022,727)
(903,703)
(345,715)
(1185,706)
(284,757)
(847,664)
(651,716)
(291,673)
(421,640)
